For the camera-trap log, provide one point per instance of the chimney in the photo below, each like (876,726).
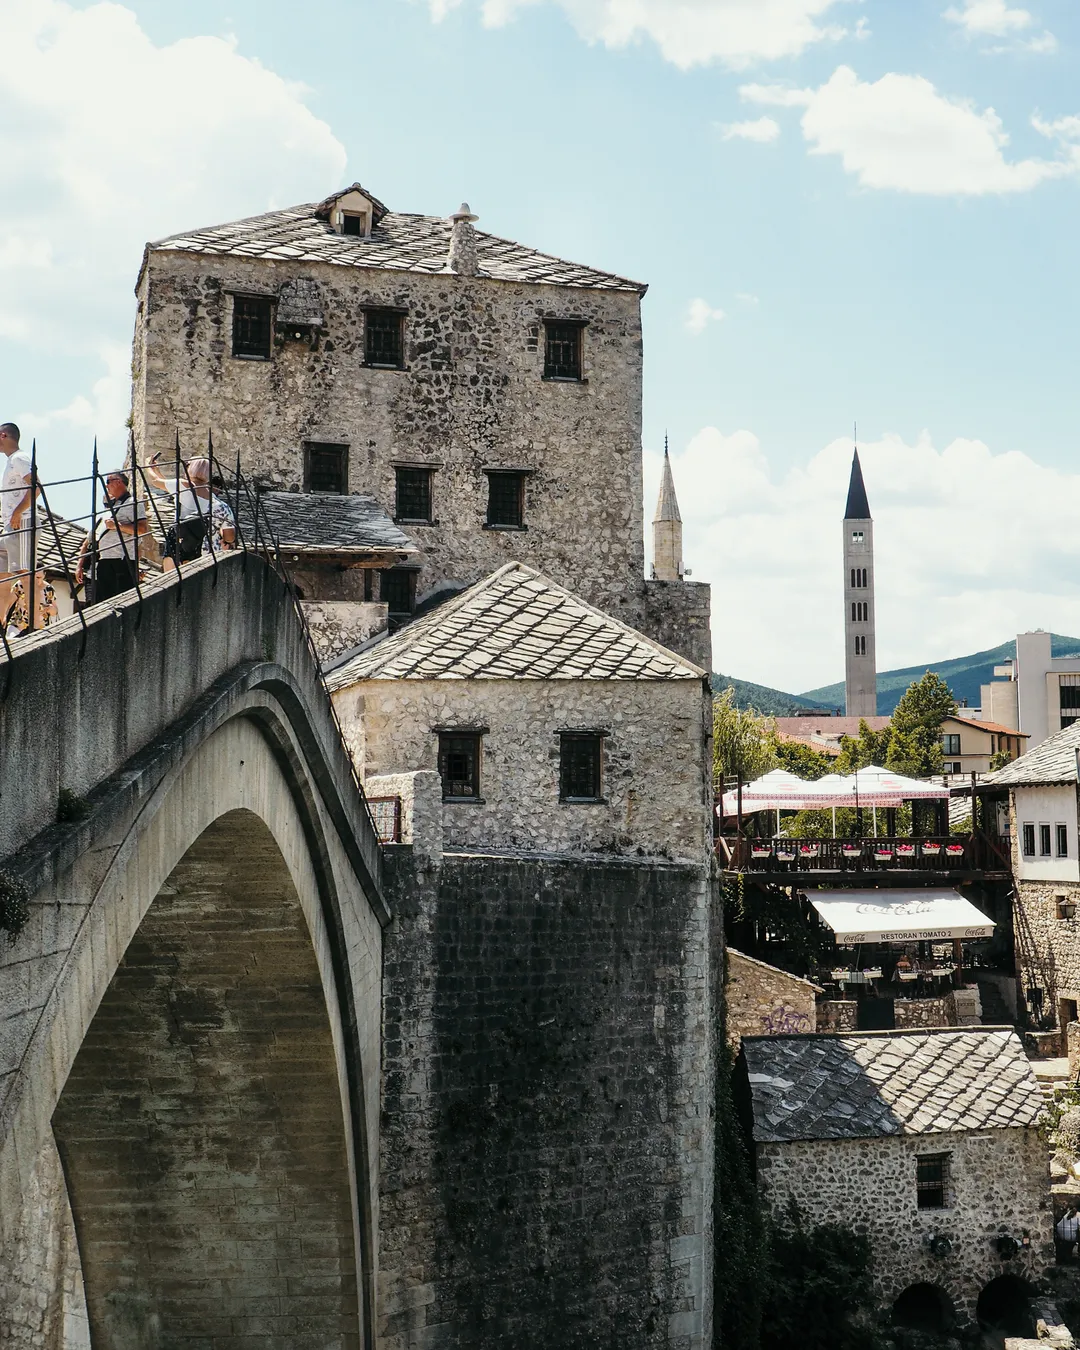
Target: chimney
(462,257)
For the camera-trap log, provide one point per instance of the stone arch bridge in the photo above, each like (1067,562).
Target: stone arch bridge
(189,1018)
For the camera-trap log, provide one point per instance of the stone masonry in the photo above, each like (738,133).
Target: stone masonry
(546,1147)
(470,395)
(762,999)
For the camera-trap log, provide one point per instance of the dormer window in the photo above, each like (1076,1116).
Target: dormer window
(354,212)
(355,222)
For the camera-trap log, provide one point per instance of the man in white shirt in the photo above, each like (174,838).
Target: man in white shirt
(14,511)
(114,546)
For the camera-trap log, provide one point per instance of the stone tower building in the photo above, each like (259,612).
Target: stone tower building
(667,529)
(484,395)
(860,661)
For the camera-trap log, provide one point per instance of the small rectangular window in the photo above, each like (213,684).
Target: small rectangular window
(932,1180)
(562,350)
(951,744)
(353,222)
(397,590)
(459,765)
(326,467)
(856,536)
(1044,841)
(1062,833)
(506,499)
(1028,836)
(413,495)
(860,645)
(384,338)
(252,327)
(580,766)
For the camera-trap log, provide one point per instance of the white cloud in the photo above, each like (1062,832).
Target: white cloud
(109,140)
(971,548)
(700,314)
(994,18)
(900,133)
(736,33)
(761,129)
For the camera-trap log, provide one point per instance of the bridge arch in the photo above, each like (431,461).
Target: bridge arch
(241,801)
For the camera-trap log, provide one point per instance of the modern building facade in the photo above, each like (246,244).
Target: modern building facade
(860,650)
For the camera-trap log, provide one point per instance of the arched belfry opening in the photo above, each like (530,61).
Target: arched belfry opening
(201,1128)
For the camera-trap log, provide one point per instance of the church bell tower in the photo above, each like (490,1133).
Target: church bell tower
(860,663)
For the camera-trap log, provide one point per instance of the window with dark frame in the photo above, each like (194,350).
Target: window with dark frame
(860,645)
(506,499)
(412,496)
(252,332)
(459,765)
(562,350)
(1028,835)
(397,590)
(384,338)
(326,467)
(581,757)
(352,223)
(1044,840)
(1062,832)
(951,744)
(932,1180)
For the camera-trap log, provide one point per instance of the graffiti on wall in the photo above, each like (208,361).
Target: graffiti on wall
(783,1020)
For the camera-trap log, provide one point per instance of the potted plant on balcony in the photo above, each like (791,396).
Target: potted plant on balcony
(761,848)
(905,850)
(883,852)
(931,849)
(851,851)
(809,850)
(954,850)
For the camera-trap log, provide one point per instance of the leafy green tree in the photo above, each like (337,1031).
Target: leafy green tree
(802,760)
(869,747)
(742,741)
(999,759)
(925,704)
(820,1286)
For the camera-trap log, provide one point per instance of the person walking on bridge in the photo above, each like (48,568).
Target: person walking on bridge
(15,493)
(113,549)
(204,522)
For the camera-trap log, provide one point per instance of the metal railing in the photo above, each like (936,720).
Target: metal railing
(226,483)
(936,853)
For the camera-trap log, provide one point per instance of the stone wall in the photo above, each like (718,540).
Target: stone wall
(999,1181)
(471,396)
(677,614)
(837,1014)
(925,1012)
(1047,948)
(548,1077)
(656,777)
(42,1306)
(764,1001)
(337,625)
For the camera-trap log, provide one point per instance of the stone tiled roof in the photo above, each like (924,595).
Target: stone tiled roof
(327,522)
(515,625)
(1051,761)
(398,243)
(880,1083)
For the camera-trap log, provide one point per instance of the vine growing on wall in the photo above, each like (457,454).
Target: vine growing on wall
(14,904)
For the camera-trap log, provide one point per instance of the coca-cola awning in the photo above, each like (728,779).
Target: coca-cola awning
(900,916)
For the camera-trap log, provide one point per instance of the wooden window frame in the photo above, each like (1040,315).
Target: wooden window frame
(469,740)
(553,371)
(312,448)
(567,741)
(265,302)
(380,312)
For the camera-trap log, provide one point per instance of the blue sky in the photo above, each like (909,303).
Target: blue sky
(833,222)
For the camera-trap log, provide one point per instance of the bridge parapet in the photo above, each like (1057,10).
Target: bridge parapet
(76,706)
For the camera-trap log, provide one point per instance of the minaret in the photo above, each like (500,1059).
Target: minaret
(860,662)
(667,529)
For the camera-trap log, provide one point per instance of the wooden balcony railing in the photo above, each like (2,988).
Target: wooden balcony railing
(938,853)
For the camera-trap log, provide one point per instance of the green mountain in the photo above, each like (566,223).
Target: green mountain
(965,675)
(762,699)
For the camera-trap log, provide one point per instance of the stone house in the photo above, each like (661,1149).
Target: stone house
(486,394)
(553,726)
(925,1141)
(1043,814)
(763,1000)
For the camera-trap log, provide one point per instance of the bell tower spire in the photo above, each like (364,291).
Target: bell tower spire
(860,661)
(667,528)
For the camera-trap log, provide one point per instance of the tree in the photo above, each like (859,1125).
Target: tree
(999,759)
(869,747)
(742,741)
(820,1286)
(802,760)
(925,704)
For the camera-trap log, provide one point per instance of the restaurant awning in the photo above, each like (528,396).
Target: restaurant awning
(780,790)
(900,916)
